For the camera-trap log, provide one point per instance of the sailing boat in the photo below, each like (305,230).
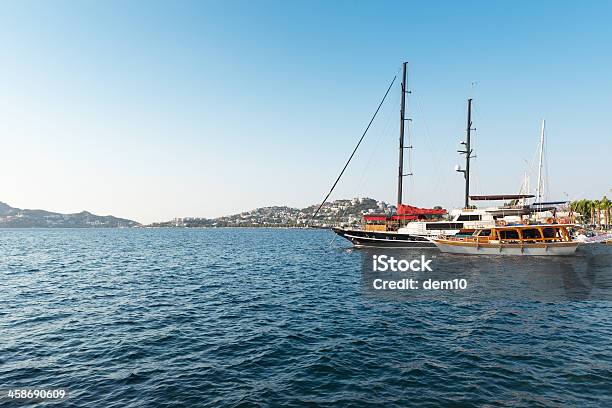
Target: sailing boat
(382,229)
(546,210)
(413,227)
(540,211)
(518,238)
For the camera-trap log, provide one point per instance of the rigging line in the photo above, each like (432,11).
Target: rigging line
(375,149)
(523,187)
(411,180)
(377,144)
(531,169)
(355,150)
(428,139)
(387,121)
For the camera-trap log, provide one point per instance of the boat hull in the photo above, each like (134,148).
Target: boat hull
(386,239)
(471,248)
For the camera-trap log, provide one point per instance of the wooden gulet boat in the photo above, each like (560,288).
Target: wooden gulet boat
(519,240)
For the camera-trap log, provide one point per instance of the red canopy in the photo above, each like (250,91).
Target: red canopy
(375,217)
(404,209)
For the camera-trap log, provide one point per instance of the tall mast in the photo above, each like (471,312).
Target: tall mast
(539,186)
(400,174)
(468,154)
(525,188)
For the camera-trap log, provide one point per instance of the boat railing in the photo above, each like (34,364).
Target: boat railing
(467,238)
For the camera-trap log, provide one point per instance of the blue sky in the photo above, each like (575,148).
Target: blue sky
(154,110)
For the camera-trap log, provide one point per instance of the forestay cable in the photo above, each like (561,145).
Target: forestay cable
(355,149)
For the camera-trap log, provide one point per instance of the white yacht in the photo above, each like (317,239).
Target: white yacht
(465,221)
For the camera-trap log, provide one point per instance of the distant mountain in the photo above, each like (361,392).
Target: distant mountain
(11,217)
(332,213)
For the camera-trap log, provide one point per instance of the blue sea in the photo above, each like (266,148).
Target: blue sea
(281,317)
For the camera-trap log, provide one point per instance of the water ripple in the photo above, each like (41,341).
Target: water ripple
(257,317)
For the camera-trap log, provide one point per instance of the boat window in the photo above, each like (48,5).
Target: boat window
(549,232)
(531,233)
(469,217)
(508,234)
(443,226)
(484,233)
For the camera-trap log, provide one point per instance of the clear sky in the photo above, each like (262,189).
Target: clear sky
(155,110)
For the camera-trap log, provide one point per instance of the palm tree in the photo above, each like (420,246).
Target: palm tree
(582,208)
(573,209)
(591,209)
(605,206)
(597,209)
(586,211)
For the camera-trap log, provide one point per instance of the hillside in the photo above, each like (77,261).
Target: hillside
(332,213)
(11,217)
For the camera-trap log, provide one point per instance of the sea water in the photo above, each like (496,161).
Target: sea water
(265,317)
